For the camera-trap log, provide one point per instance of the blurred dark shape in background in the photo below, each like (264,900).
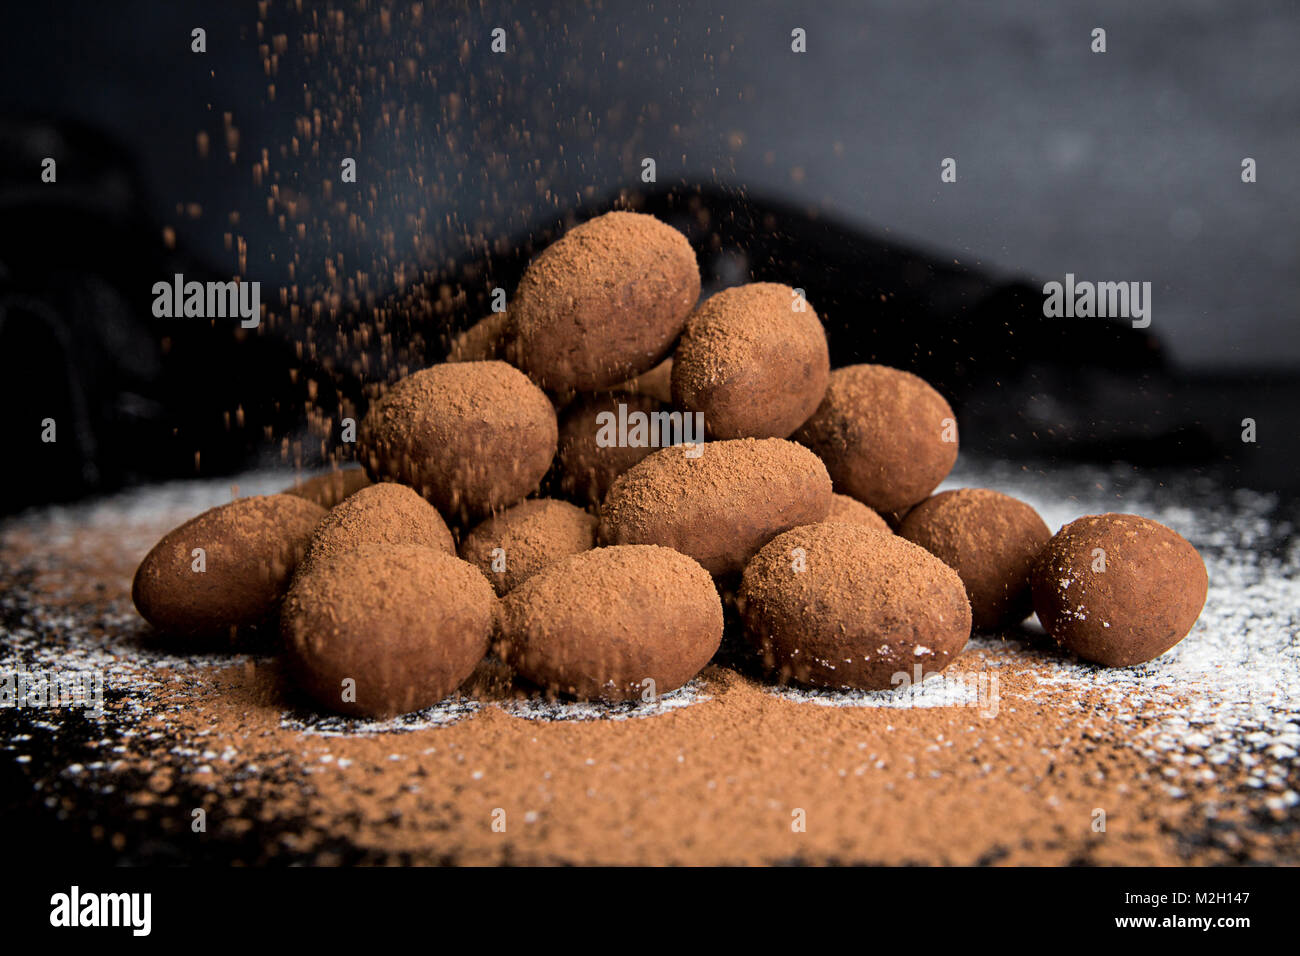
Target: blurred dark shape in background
(132,398)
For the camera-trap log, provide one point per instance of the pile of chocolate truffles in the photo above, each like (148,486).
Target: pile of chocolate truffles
(392,584)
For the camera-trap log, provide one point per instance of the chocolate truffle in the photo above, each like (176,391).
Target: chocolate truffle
(753,359)
(469,436)
(842,606)
(990,540)
(329,489)
(227,568)
(604,303)
(380,514)
(720,507)
(606,623)
(1118,589)
(656,383)
(514,545)
(586,468)
(386,629)
(852,511)
(485,340)
(886,436)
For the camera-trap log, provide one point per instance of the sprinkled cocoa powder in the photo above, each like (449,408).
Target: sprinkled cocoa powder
(526,538)
(1189,764)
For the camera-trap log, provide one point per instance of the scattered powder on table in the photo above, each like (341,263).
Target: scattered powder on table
(1192,756)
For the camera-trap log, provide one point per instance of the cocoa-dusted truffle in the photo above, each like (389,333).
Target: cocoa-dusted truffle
(656,383)
(604,303)
(586,468)
(514,545)
(843,606)
(990,540)
(1118,589)
(852,511)
(886,436)
(329,489)
(485,340)
(753,359)
(227,568)
(385,513)
(721,507)
(622,623)
(386,629)
(469,436)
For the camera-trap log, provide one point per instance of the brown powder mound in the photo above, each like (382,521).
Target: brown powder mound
(530,536)
(990,540)
(329,489)
(656,383)
(843,606)
(721,507)
(250,548)
(385,629)
(886,436)
(485,340)
(469,436)
(586,469)
(380,514)
(851,511)
(605,302)
(1118,589)
(622,623)
(752,362)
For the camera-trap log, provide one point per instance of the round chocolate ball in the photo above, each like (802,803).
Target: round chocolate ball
(753,359)
(225,569)
(886,436)
(385,513)
(721,506)
(604,303)
(329,489)
(852,511)
(656,383)
(386,629)
(469,436)
(843,606)
(621,623)
(485,340)
(990,540)
(587,462)
(514,545)
(1118,589)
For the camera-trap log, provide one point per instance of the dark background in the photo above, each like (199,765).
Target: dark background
(817,169)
